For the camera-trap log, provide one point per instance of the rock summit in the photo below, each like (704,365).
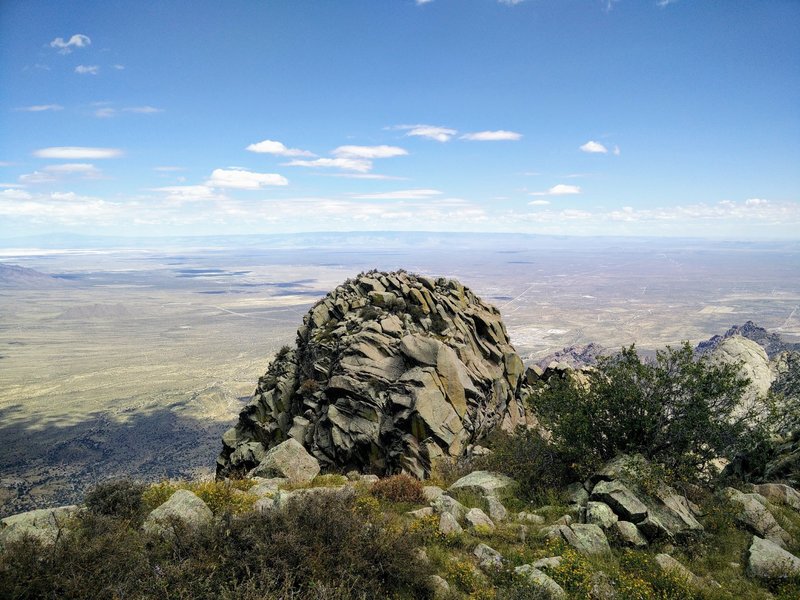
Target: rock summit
(391,371)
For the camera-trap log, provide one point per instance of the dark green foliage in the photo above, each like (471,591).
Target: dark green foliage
(321,547)
(117,498)
(674,410)
(530,460)
(283,351)
(438,324)
(369,313)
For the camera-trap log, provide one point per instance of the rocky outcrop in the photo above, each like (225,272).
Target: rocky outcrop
(767,560)
(182,510)
(391,371)
(43,524)
(772,343)
(752,361)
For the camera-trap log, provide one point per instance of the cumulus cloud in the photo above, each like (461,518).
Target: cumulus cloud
(561,189)
(77,152)
(87,69)
(368,152)
(40,108)
(492,136)
(243,179)
(431,132)
(348,164)
(419,194)
(593,147)
(76,41)
(277,148)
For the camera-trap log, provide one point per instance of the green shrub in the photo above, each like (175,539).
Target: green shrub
(399,488)
(675,410)
(117,498)
(536,465)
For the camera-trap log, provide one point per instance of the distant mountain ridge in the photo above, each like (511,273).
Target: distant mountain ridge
(772,343)
(16,276)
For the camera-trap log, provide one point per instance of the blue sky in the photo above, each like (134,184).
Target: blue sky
(576,117)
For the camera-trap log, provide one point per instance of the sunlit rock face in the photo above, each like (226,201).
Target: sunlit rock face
(390,372)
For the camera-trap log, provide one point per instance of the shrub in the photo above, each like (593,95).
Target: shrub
(399,488)
(536,465)
(117,498)
(675,410)
(369,313)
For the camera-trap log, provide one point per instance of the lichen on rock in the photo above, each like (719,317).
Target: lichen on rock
(391,371)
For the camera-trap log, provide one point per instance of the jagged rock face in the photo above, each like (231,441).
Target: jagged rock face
(391,371)
(752,361)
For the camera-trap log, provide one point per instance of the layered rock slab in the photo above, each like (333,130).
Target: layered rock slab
(391,371)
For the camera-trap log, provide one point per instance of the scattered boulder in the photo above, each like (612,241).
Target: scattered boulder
(446,504)
(585,538)
(432,492)
(624,503)
(767,560)
(43,524)
(600,513)
(487,557)
(497,512)
(477,519)
(391,372)
(439,587)
(779,493)
(290,460)
(629,534)
(541,581)
(483,482)
(448,524)
(183,509)
(754,514)
(421,513)
(669,565)
(267,487)
(550,562)
(531,518)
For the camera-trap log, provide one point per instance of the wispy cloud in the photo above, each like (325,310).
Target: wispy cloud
(40,108)
(87,69)
(561,189)
(431,132)
(76,41)
(53,173)
(119,67)
(143,110)
(77,153)
(368,152)
(593,147)
(420,2)
(539,202)
(510,2)
(347,164)
(105,112)
(419,194)
(188,193)
(492,136)
(242,179)
(663,3)
(168,169)
(277,148)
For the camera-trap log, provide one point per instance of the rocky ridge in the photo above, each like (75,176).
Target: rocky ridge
(390,372)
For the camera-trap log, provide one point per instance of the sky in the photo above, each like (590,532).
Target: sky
(569,117)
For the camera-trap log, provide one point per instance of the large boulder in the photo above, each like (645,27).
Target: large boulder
(753,512)
(767,560)
(391,371)
(288,460)
(182,510)
(43,524)
(484,483)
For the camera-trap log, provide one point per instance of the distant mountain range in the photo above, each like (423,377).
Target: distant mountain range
(22,277)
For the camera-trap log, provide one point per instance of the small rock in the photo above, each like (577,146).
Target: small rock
(432,492)
(446,504)
(669,565)
(577,494)
(267,487)
(483,482)
(600,514)
(487,556)
(629,534)
(541,581)
(621,500)
(448,524)
(531,518)
(421,513)
(439,587)
(551,562)
(288,459)
(477,519)
(264,504)
(778,493)
(564,520)
(497,512)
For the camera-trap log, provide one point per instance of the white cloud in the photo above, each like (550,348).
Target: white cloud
(40,108)
(76,41)
(492,136)
(593,147)
(77,153)
(511,2)
(52,173)
(539,202)
(432,132)
(278,148)
(143,110)
(663,3)
(15,194)
(105,113)
(87,69)
(420,194)
(243,179)
(369,152)
(119,67)
(348,164)
(756,202)
(421,2)
(187,193)
(560,189)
